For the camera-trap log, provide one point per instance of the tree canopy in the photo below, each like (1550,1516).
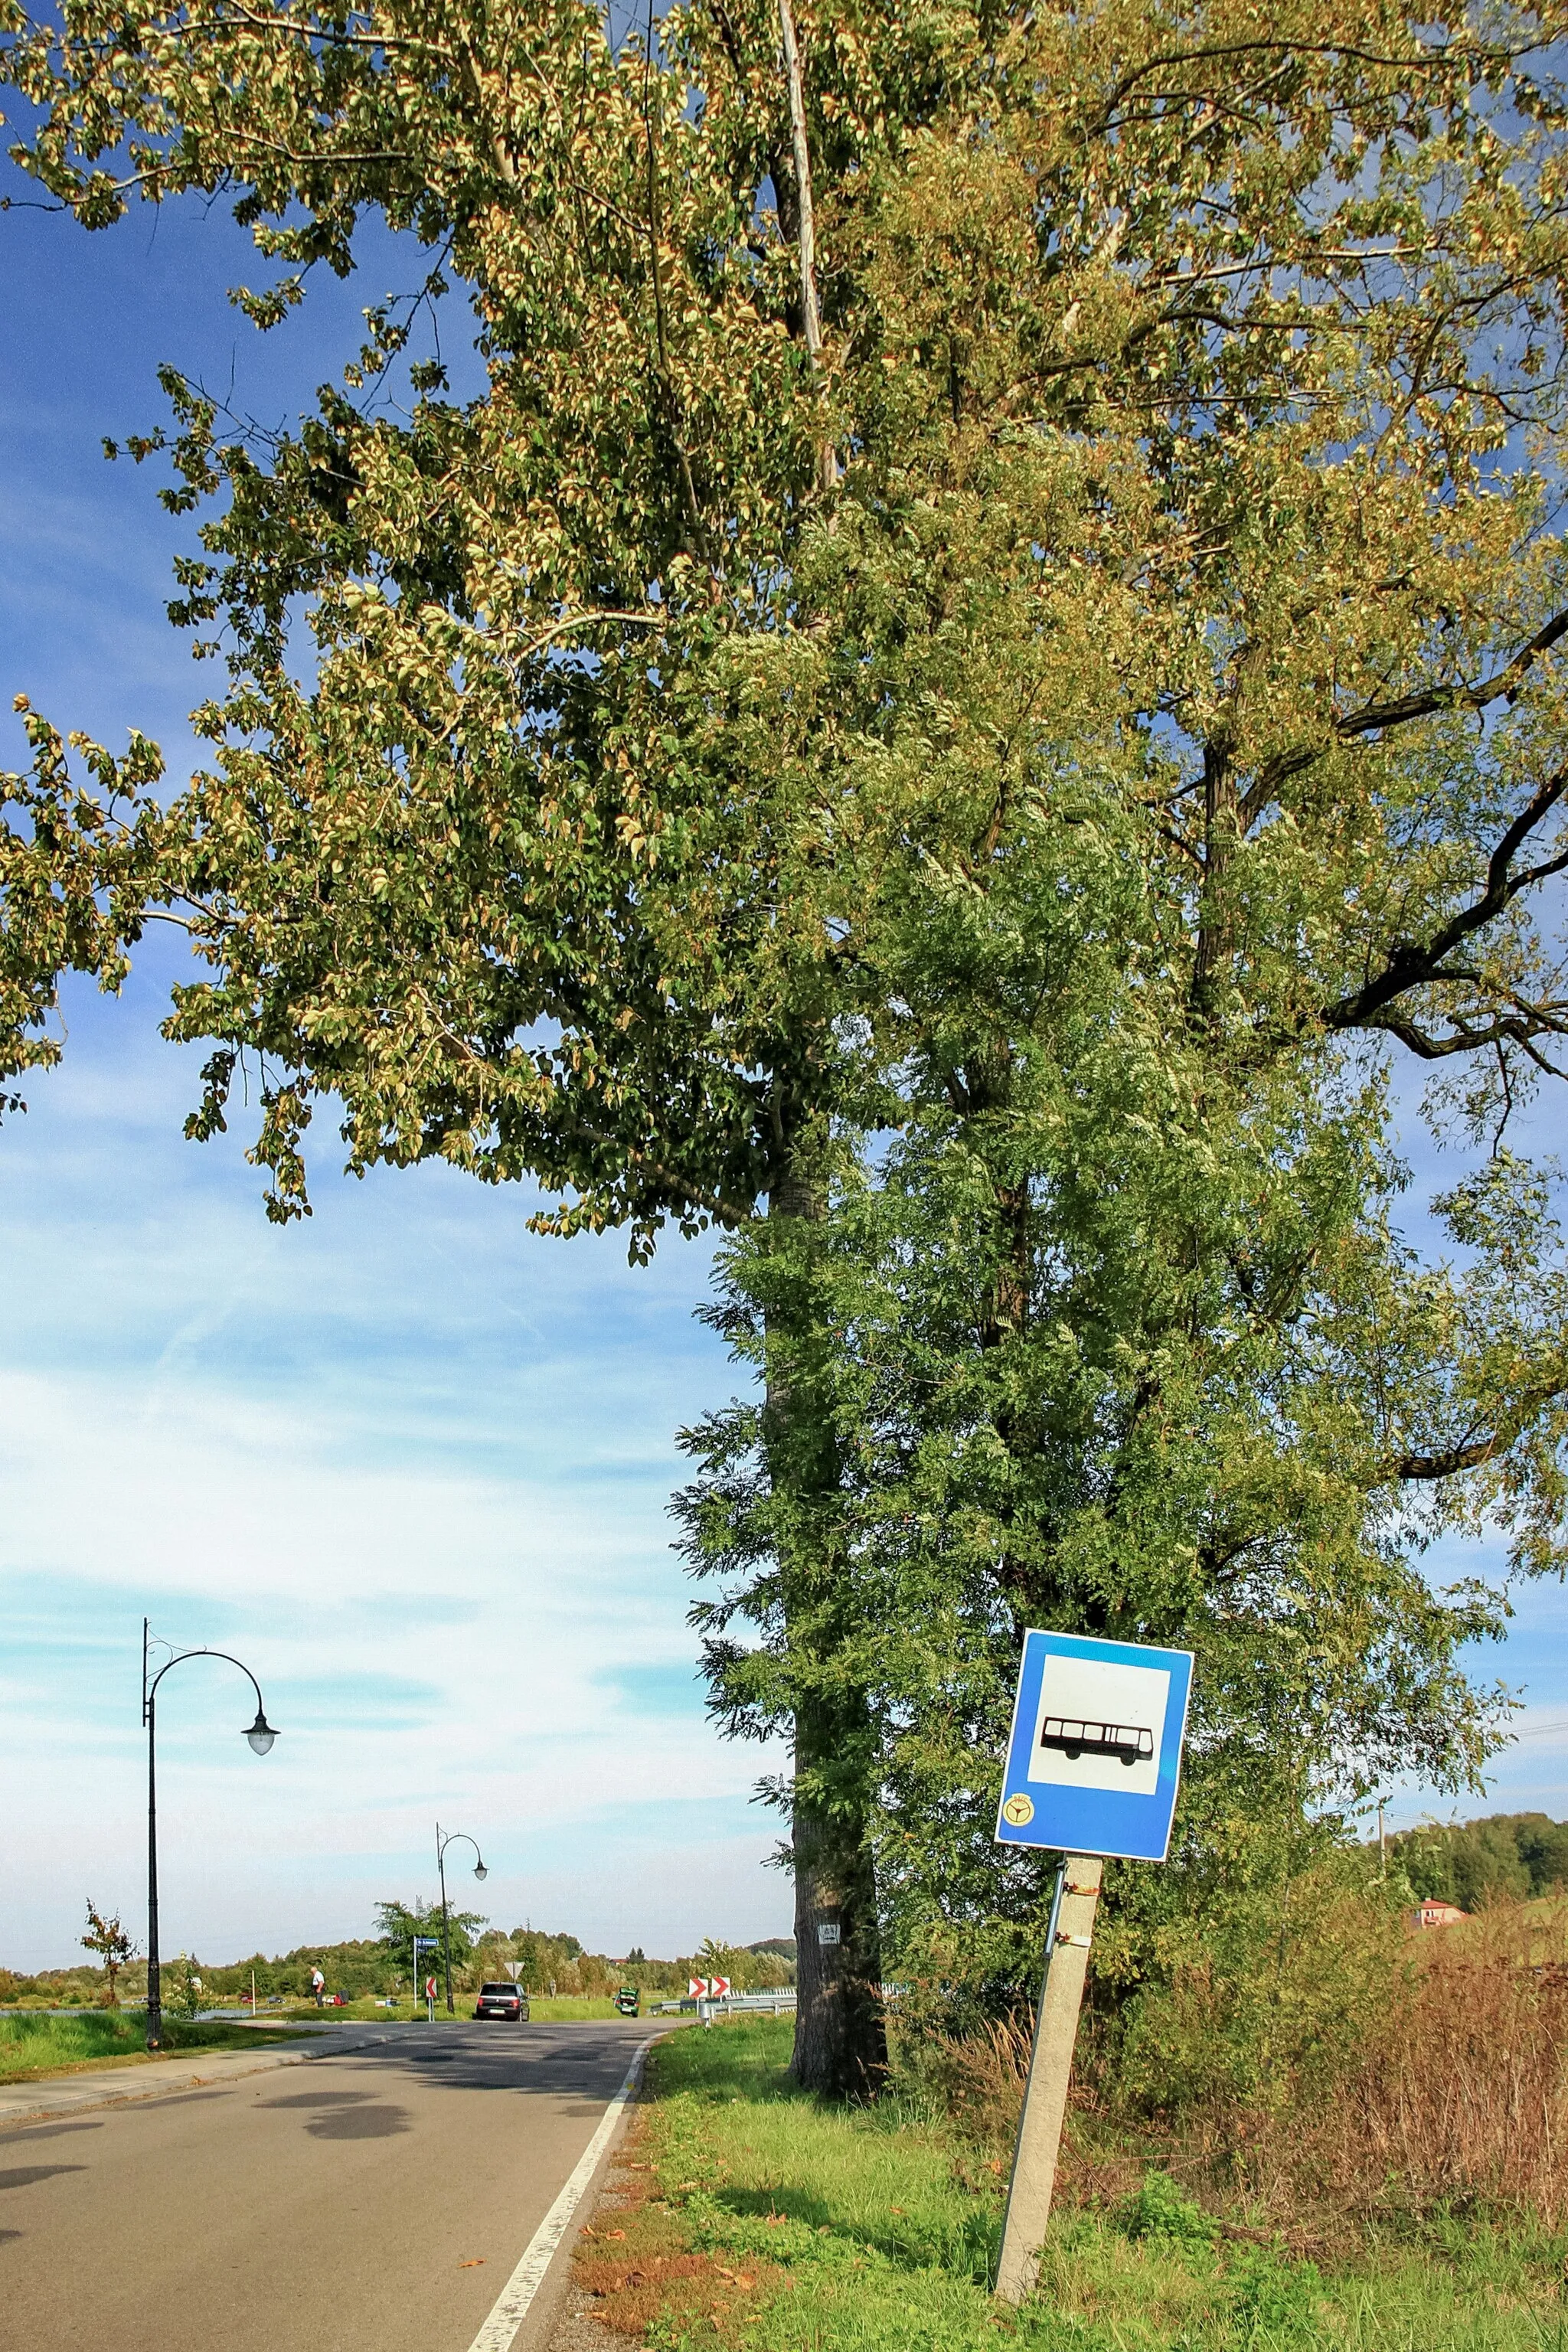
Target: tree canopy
(1507,1857)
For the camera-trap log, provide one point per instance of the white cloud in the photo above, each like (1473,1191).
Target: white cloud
(411,1464)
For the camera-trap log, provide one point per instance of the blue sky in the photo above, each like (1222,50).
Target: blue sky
(409,1460)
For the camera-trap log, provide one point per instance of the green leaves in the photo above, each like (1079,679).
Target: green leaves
(1149,496)
(74,884)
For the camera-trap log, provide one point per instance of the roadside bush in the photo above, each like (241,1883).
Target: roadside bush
(1361,2066)
(1261,2000)
(182,1986)
(1302,2047)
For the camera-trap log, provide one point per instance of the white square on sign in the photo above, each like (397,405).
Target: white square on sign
(1099,1725)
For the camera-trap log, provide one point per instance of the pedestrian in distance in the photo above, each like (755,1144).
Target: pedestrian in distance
(318,1986)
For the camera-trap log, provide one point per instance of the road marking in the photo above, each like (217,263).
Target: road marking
(511,2308)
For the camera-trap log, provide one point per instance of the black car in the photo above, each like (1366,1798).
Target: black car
(502,2001)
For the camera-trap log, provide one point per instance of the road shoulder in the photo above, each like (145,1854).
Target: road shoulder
(558,2318)
(568,2324)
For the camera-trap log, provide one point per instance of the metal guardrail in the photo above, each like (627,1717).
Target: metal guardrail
(782,1999)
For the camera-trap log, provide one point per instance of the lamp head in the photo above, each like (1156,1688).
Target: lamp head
(480,1869)
(261,1734)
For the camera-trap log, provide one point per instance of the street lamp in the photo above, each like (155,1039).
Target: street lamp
(260,1734)
(443,1840)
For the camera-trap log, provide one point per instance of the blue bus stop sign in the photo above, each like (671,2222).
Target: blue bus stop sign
(1095,1747)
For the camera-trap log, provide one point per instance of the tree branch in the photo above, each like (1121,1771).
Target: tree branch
(1409,965)
(827,456)
(1508,681)
(1455,1459)
(806,239)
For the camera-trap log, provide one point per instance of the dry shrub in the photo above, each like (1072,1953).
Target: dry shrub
(1459,2094)
(976,2079)
(1349,2075)
(1356,2067)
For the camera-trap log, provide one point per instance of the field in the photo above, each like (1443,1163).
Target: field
(760,2216)
(33,2044)
(543,2011)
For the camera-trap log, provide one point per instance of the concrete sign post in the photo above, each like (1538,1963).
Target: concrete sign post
(1092,1765)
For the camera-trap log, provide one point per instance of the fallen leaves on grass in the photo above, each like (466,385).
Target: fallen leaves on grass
(649,2270)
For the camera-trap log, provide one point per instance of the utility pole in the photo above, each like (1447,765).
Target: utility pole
(1035,2158)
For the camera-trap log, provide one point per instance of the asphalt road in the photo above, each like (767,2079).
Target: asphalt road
(372,2203)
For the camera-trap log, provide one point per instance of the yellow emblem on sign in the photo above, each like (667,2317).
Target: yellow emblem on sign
(1018,1811)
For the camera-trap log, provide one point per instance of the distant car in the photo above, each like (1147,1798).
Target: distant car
(627,2000)
(502,2001)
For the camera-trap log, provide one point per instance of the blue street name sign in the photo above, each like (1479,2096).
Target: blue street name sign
(1096,1747)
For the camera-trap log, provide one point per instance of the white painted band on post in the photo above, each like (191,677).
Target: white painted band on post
(512,2305)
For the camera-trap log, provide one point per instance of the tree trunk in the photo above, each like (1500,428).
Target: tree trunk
(840,2037)
(840,2043)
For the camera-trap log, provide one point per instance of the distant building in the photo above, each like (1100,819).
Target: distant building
(1437,1915)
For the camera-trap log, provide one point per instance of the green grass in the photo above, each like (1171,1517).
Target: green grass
(370,2012)
(35,2045)
(569,2008)
(851,2230)
(365,2012)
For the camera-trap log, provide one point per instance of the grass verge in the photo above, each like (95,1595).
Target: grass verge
(570,2008)
(756,2216)
(39,2044)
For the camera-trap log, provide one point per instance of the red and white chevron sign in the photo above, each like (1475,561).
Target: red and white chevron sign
(707,1987)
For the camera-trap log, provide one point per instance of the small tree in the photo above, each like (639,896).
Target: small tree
(182,1988)
(109,1940)
(717,1958)
(399,1923)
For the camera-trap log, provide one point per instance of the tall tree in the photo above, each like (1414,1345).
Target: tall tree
(920,454)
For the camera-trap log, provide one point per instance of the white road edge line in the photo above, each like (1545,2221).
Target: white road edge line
(511,2307)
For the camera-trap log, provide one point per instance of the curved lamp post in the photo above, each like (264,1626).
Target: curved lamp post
(260,1734)
(443,1840)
